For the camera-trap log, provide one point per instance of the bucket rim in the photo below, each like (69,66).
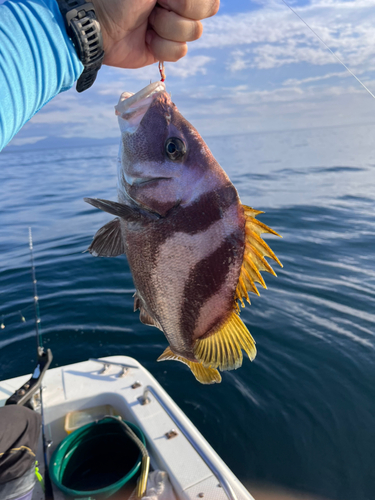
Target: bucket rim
(114,486)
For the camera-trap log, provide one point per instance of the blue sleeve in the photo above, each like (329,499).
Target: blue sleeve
(37,61)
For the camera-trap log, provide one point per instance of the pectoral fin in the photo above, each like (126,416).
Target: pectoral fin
(126,212)
(201,373)
(223,349)
(108,241)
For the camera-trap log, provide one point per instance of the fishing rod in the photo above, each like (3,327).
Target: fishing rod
(23,395)
(44,360)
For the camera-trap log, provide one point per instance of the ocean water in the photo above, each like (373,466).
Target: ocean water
(302,415)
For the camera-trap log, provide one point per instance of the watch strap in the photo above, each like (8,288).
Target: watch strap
(84,29)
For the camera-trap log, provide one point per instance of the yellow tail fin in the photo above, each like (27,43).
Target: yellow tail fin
(202,374)
(223,349)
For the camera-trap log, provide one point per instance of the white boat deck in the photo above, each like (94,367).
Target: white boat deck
(82,385)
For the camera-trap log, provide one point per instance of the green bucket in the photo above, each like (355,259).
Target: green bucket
(96,460)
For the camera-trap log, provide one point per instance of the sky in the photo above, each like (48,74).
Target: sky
(256,68)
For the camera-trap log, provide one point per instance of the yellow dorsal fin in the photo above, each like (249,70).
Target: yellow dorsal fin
(256,249)
(223,349)
(253,269)
(202,374)
(258,259)
(257,242)
(242,285)
(259,227)
(250,211)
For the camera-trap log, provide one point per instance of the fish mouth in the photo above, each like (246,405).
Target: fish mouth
(142,181)
(148,180)
(131,108)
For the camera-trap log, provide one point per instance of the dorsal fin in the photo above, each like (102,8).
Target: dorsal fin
(223,349)
(253,261)
(108,241)
(202,374)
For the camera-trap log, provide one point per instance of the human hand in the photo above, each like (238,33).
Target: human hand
(137,33)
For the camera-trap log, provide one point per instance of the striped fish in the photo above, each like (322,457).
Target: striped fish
(193,249)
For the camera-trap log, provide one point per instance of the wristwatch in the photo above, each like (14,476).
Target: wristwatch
(84,30)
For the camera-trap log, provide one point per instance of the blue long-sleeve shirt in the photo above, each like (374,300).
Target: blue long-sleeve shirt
(37,61)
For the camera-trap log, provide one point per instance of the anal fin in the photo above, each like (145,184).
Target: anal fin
(108,240)
(223,348)
(137,302)
(203,374)
(144,316)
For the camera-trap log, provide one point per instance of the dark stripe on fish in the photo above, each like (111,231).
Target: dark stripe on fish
(197,217)
(211,272)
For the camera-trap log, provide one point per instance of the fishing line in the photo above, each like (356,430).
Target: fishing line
(20,313)
(331,51)
(47,481)
(36,299)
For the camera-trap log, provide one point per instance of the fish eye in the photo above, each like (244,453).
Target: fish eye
(175,148)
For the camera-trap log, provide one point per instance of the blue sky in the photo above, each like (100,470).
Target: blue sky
(257,67)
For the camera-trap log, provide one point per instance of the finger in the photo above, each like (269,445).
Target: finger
(192,9)
(165,50)
(171,26)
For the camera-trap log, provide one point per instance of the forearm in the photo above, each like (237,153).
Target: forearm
(37,61)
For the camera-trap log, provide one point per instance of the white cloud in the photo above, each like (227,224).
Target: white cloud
(182,69)
(262,70)
(296,81)
(241,110)
(237,61)
(18,141)
(220,109)
(69,115)
(92,114)
(274,36)
(188,66)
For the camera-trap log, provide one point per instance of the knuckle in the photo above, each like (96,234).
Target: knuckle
(200,9)
(214,7)
(193,9)
(185,6)
(160,17)
(180,52)
(197,30)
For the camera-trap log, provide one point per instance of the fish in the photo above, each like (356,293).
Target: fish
(194,250)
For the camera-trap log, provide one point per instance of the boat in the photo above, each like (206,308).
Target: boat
(173,443)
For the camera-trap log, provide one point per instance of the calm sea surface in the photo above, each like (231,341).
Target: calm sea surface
(302,415)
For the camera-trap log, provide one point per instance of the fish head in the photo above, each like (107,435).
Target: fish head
(163,161)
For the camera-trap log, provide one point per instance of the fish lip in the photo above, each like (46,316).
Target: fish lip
(129,102)
(131,108)
(141,181)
